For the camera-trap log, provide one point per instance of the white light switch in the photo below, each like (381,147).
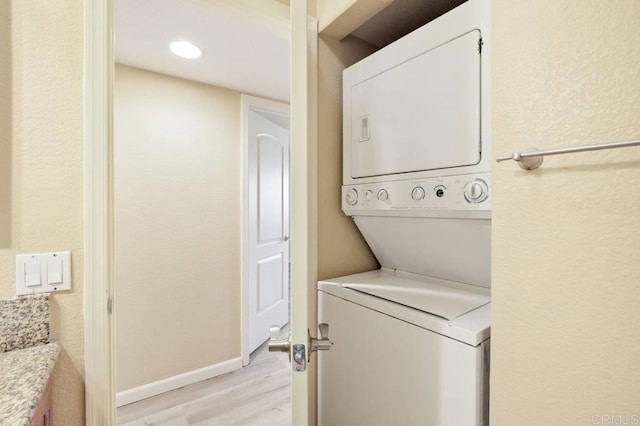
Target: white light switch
(32,274)
(43,272)
(54,272)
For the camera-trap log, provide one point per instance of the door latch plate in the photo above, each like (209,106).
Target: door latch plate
(299,357)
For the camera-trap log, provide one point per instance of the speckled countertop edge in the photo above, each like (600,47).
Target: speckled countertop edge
(24,374)
(24,322)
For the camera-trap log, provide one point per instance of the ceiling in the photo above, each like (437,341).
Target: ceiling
(242,49)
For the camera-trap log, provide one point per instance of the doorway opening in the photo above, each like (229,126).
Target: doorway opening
(180,168)
(265,217)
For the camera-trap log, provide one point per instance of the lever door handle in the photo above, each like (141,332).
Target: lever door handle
(277,344)
(322,343)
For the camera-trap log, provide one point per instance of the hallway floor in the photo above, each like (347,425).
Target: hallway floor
(258,394)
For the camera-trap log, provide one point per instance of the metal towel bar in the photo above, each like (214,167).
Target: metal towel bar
(531,158)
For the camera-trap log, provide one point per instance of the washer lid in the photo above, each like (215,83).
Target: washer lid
(445,299)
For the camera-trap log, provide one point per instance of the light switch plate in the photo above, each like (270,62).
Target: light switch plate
(43,272)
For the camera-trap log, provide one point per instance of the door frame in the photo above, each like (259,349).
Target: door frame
(98,288)
(98,285)
(251,103)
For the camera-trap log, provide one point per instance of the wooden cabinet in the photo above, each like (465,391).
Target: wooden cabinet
(42,417)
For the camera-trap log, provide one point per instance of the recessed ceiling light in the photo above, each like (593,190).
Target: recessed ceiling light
(185,49)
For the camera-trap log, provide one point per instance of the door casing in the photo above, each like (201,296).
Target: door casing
(249,103)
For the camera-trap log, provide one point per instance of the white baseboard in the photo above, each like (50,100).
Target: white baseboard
(170,383)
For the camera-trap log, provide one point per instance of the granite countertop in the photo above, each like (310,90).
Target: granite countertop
(24,322)
(24,374)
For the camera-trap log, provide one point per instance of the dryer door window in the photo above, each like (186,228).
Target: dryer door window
(423,114)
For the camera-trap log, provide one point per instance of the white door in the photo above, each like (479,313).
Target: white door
(268,227)
(304,45)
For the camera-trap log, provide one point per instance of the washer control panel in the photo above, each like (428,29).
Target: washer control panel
(461,193)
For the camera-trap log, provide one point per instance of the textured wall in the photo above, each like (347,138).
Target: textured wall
(177,225)
(341,248)
(566,271)
(5,124)
(46,172)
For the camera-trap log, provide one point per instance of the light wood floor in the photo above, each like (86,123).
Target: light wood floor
(258,394)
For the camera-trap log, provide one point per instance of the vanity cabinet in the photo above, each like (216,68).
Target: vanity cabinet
(42,417)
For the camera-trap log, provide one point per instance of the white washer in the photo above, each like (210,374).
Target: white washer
(408,350)
(411,340)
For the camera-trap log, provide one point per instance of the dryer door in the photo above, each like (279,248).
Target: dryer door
(423,114)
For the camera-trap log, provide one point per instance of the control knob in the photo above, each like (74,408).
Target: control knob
(383,195)
(351,197)
(418,193)
(476,191)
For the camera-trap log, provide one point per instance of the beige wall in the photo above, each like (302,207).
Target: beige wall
(5,124)
(46,172)
(566,238)
(328,10)
(177,224)
(341,248)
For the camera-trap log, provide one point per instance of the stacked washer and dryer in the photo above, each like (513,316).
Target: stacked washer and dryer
(411,339)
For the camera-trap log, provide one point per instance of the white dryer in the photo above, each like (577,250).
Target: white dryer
(412,339)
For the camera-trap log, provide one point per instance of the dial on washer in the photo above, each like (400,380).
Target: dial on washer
(418,193)
(476,191)
(351,197)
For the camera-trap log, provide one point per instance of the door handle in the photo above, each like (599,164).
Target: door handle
(286,238)
(277,344)
(322,343)
(284,345)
